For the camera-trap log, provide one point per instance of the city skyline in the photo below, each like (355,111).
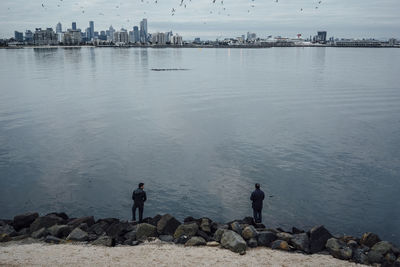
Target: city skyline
(376,19)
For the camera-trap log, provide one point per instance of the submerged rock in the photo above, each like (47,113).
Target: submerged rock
(24,220)
(233,241)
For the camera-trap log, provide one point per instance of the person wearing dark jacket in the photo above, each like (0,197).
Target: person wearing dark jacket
(257,197)
(139,197)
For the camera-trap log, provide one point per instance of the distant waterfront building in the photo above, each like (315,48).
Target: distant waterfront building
(392,42)
(158,38)
(168,36)
(74,26)
(136,34)
(251,37)
(45,37)
(176,40)
(121,37)
(103,36)
(18,36)
(321,37)
(110,33)
(358,43)
(72,37)
(29,36)
(143,31)
(59,28)
(91,31)
(197,40)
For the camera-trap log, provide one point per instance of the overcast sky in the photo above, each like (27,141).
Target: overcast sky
(205,19)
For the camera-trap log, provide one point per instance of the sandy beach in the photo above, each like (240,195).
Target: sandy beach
(153,254)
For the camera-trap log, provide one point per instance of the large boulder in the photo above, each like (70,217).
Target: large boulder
(252,243)
(375,257)
(145,230)
(204,235)
(59,231)
(301,242)
(186,229)
(205,225)
(284,236)
(45,221)
(53,240)
(280,244)
(104,241)
(99,228)
(334,246)
(62,215)
(195,241)
(369,239)
(265,238)
(167,225)
(117,229)
(42,232)
(166,238)
(249,232)
(7,229)
(218,234)
(4,238)
(130,235)
(318,238)
(89,220)
(379,251)
(24,220)
(233,241)
(154,221)
(359,256)
(235,226)
(78,235)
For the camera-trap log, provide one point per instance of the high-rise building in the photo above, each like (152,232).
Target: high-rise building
(158,38)
(121,37)
(59,28)
(74,26)
(110,34)
(143,31)
(18,36)
(45,37)
(321,37)
(176,40)
(91,33)
(136,34)
(29,36)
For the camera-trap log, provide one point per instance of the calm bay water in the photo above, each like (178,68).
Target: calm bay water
(319,128)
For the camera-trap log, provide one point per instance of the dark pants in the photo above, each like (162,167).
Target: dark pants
(257,215)
(140,207)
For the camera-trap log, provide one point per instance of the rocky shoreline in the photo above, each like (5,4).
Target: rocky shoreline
(237,235)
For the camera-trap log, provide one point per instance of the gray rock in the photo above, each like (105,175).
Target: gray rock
(46,221)
(359,256)
(284,236)
(92,237)
(130,235)
(135,243)
(195,241)
(186,229)
(89,220)
(389,258)
(249,232)
(52,240)
(205,225)
(280,244)
(346,253)
(334,246)
(84,227)
(78,235)
(59,231)
(212,244)
(19,237)
(6,229)
(218,234)
(266,238)
(375,256)
(62,215)
(167,225)
(4,238)
(203,235)
(369,239)
(235,226)
(23,231)
(166,238)
(252,242)
(145,230)
(301,242)
(352,244)
(39,233)
(182,239)
(296,230)
(24,220)
(382,247)
(99,228)
(318,238)
(104,241)
(117,229)
(233,241)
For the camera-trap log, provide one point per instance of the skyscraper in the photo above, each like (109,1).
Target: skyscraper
(136,34)
(143,31)
(74,26)
(59,28)
(91,26)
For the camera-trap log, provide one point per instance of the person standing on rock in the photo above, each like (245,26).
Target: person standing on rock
(257,197)
(139,197)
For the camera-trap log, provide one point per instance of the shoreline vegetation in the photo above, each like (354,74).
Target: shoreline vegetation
(238,236)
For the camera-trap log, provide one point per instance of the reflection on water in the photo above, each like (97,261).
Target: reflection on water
(79,128)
